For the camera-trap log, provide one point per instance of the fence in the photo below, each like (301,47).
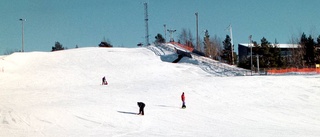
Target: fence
(295,70)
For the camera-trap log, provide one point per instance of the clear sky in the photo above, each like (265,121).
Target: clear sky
(86,22)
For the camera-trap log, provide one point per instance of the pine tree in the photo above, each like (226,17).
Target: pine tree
(105,43)
(269,55)
(308,46)
(159,38)
(265,52)
(317,54)
(57,46)
(277,55)
(303,42)
(226,52)
(310,51)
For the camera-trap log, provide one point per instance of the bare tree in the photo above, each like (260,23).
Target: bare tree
(212,47)
(297,53)
(186,38)
(190,41)
(216,47)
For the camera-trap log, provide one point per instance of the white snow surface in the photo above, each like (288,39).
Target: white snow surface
(59,94)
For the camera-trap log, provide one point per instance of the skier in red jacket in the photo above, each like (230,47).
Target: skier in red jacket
(183,100)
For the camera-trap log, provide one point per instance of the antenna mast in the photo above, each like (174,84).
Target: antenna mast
(146,22)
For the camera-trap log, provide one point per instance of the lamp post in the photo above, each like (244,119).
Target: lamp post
(165,32)
(197,26)
(22,20)
(171,31)
(250,41)
(230,29)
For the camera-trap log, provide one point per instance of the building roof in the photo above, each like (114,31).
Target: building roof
(278,45)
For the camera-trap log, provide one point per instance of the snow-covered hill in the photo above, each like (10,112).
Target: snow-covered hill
(60,94)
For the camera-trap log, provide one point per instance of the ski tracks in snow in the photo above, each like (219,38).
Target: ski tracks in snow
(10,119)
(6,117)
(144,123)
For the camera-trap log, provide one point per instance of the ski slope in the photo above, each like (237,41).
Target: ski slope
(59,94)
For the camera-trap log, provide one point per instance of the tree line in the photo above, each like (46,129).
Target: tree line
(303,52)
(58,46)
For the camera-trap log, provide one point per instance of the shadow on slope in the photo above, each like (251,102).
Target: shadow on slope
(124,112)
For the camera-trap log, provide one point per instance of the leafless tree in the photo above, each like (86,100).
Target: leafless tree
(297,53)
(186,38)
(213,46)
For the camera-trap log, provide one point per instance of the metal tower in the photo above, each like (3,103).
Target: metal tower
(171,31)
(146,21)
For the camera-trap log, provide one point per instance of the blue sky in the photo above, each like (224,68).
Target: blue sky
(86,22)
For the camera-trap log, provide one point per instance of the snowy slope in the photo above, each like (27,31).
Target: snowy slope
(60,94)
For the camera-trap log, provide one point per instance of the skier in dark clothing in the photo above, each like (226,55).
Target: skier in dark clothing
(104,81)
(141,108)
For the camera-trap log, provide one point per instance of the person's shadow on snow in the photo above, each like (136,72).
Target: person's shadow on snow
(124,112)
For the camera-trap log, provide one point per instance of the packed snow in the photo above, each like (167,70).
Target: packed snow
(59,94)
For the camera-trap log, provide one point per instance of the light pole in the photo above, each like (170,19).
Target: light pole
(197,26)
(250,41)
(171,31)
(258,64)
(230,29)
(22,20)
(165,32)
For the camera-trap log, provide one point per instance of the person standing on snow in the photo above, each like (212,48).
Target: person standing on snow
(104,81)
(183,98)
(141,108)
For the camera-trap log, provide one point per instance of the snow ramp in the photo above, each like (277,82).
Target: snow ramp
(168,53)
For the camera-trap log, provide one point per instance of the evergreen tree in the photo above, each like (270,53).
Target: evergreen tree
(159,38)
(279,61)
(275,60)
(105,43)
(317,51)
(226,52)
(57,46)
(265,52)
(310,51)
(318,41)
(303,43)
(308,46)
(269,54)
